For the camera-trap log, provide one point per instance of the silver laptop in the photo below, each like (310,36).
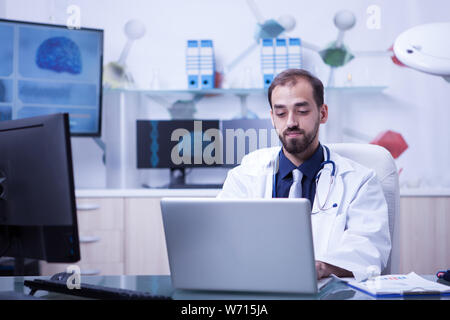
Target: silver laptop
(259,245)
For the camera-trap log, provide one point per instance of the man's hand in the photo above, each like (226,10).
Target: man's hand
(324,270)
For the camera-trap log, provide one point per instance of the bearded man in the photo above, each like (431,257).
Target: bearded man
(349,212)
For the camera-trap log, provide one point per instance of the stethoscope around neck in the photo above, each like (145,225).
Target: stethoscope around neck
(320,206)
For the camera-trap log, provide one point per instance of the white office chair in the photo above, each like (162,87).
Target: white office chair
(380,160)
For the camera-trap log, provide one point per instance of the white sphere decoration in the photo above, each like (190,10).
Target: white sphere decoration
(134,29)
(344,20)
(287,22)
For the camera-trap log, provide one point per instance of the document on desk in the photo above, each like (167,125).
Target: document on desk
(400,285)
(323,282)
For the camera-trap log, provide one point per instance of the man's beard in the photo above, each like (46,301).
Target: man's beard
(301,143)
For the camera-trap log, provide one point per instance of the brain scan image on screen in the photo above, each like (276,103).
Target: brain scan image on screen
(59,54)
(47,69)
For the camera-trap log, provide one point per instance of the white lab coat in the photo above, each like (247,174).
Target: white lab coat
(354,235)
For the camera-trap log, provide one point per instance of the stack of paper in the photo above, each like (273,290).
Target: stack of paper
(400,285)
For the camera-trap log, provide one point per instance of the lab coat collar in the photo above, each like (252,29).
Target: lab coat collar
(341,166)
(337,188)
(309,167)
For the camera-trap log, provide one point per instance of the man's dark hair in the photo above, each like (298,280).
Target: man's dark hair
(290,77)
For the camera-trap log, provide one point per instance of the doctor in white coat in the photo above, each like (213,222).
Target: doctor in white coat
(349,212)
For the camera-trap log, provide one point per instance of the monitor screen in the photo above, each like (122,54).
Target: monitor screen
(200,143)
(37,196)
(47,69)
(181,144)
(178,143)
(243,136)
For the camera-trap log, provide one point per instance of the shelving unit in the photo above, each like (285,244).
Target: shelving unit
(121,111)
(236,91)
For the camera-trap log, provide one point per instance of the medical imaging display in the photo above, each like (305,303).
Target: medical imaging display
(59,54)
(160,143)
(48,69)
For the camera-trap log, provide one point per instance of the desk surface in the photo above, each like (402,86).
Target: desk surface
(13,288)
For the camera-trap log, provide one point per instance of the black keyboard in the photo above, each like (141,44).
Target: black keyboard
(58,284)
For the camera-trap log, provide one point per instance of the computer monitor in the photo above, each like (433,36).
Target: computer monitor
(177,145)
(181,144)
(37,197)
(46,69)
(242,136)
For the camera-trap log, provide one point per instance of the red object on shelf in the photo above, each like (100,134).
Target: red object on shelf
(392,141)
(218,79)
(394,58)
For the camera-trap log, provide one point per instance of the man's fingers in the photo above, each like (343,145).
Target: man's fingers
(320,269)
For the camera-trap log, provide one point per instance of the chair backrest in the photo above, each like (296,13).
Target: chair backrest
(381,161)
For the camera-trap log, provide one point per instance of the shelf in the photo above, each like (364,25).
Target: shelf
(358,89)
(185,107)
(215,91)
(425,192)
(239,92)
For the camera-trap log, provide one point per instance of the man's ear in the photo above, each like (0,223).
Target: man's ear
(271,117)
(323,113)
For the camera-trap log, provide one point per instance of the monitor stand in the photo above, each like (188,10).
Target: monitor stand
(19,260)
(10,234)
(19,266)
(178,181)
(2,186)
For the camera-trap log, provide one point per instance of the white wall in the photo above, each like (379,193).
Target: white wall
(414,104)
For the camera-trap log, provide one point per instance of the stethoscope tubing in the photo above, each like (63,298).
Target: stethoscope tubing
(316,197)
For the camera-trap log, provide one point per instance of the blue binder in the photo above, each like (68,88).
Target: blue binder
(278,55)
(267,61)
(281,55)
(193,64)
(206,64)
(294,53)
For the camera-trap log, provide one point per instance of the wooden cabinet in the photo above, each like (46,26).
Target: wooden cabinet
(424,237)
(101,233)
(422,226)
(145,243)
(125,235)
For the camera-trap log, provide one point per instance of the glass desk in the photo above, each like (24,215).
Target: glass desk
(13,288)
